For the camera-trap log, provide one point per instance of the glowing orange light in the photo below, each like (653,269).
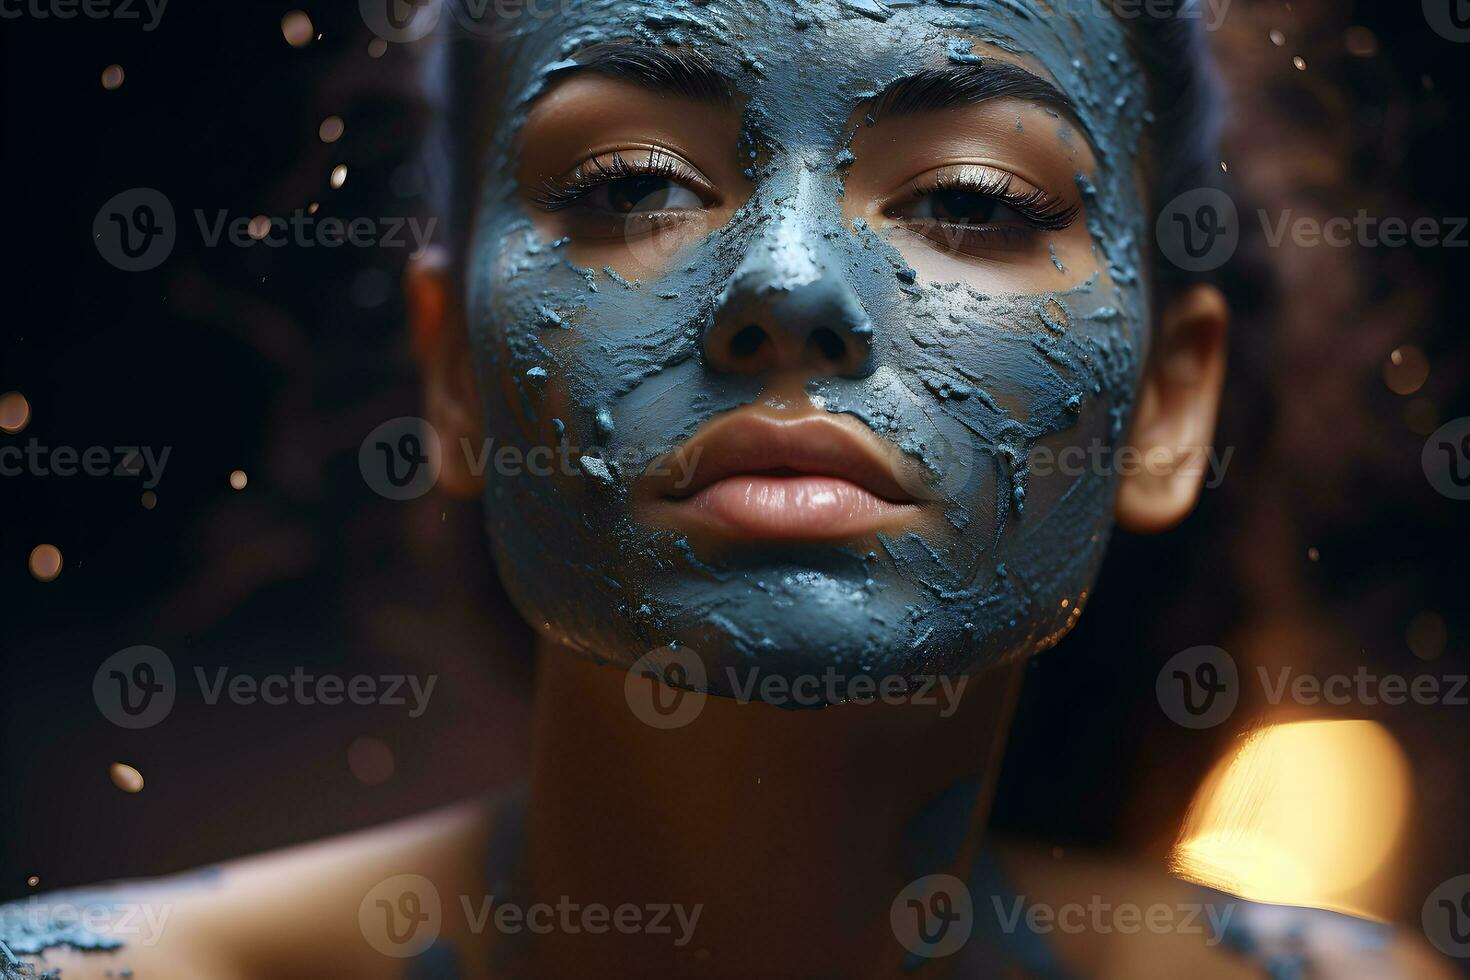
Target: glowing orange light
(296,29)
(45,562)
(126,778)
(15,412)
(1304,813)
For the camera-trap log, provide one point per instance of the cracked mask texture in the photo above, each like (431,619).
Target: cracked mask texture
(969,384)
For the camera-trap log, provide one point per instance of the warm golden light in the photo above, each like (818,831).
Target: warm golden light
(15,411)
(1304,813)
(45,562)
(296,29)
(238,479)
(371,760)
(126,778)
(339,175)
(1406,370)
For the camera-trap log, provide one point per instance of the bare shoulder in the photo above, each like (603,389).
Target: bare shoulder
(1108,918)
(307,911)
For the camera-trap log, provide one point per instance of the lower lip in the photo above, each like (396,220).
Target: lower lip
(795,507)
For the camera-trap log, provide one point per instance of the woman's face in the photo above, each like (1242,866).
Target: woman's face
(783,303)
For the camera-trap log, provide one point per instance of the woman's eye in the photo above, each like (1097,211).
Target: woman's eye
(962,208)
(642,194)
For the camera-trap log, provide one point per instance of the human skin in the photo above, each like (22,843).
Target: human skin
(836,791)
(963,350)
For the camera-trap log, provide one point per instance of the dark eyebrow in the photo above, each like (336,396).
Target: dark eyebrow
(968,84)
(668,70)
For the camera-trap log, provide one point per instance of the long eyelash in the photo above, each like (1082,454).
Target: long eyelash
(1047,212)
(559,193)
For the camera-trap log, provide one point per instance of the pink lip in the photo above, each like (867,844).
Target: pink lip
(794,507)
(749,476)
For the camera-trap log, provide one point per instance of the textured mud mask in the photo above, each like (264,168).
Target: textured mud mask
(613,374)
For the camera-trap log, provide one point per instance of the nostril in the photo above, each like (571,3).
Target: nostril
(748,340)
(831,346)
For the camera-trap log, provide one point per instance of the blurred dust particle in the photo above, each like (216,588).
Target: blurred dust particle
(1406,370)
(1360,42)
(370,760)
(1427,635)
(296,29)
(112,77)
(45,562)
(15,412)
(150,500)
(33,880)
(331,129)
(377,47)
(339,175)
(238,479)
(126,778)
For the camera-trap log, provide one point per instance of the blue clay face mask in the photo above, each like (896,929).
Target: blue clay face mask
(919,221)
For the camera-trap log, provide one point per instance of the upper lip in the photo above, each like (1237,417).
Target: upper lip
(746,443)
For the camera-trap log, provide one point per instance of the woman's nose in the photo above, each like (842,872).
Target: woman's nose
(789,308)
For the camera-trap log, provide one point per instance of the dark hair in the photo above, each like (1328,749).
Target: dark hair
(1186,99)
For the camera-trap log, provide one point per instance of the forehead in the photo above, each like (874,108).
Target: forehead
(797,60)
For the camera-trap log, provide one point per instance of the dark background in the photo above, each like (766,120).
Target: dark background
(278,362)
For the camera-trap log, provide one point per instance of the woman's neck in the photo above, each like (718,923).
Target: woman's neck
(787,832)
